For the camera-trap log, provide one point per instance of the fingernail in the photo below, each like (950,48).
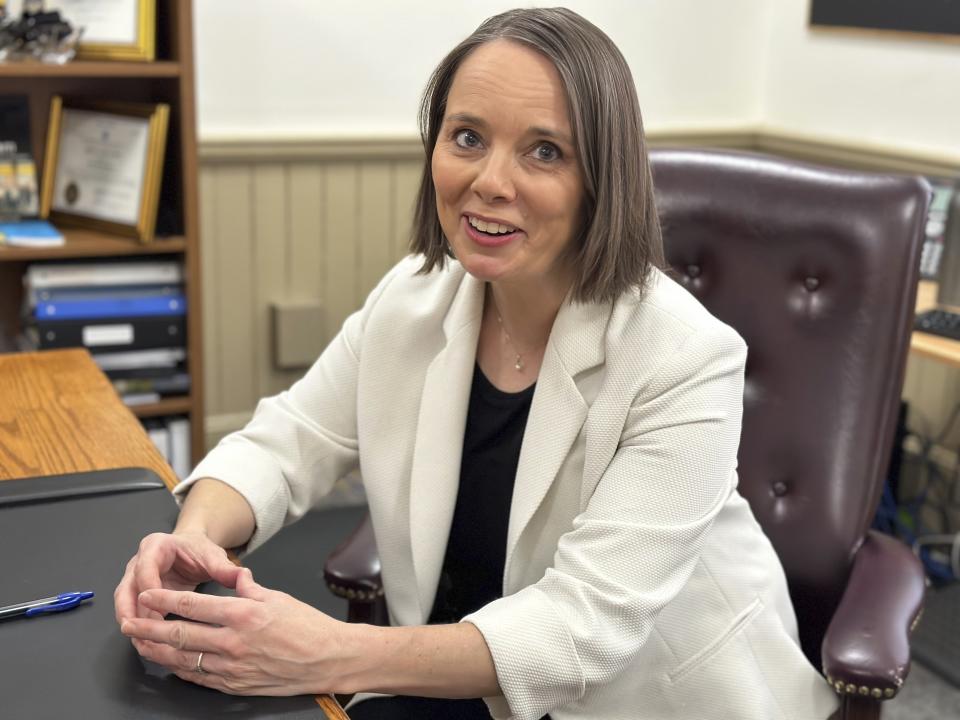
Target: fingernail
(145,597)
(125,627)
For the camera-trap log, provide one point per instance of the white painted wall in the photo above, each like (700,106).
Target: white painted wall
(315,68)
(878,90)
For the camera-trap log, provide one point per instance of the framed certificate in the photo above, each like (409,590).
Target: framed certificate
(112,29)
(103,166)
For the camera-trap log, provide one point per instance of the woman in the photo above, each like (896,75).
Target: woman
(547,429)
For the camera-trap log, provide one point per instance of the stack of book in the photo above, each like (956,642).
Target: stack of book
(131,316)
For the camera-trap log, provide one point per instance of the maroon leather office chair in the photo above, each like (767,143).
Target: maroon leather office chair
(817,270)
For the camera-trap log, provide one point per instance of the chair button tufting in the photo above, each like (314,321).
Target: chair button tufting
(693,271)
(811,283)
(779,488)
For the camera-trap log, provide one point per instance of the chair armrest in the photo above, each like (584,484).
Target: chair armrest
(352,570)
(866,650)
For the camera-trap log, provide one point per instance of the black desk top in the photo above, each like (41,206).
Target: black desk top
(77,533)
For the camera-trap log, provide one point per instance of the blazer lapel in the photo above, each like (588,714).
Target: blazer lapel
(441,422)
(558,410)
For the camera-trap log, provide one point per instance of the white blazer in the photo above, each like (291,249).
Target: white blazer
(637,583)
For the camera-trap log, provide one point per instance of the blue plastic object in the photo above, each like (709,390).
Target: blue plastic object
(64,601)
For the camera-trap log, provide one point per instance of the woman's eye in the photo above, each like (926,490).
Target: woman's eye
(467,139)
(548,152)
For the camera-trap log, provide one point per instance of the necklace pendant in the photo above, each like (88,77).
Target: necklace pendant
(518,365)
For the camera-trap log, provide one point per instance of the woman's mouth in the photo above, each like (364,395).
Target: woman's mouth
(489,234)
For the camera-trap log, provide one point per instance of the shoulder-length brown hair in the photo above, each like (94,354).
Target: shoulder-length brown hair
(619,239)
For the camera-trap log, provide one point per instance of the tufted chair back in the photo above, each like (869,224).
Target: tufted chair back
(817,269)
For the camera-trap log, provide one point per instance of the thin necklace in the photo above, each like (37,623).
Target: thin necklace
(518,362)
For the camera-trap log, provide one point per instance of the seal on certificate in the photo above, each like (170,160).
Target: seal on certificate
(71,193)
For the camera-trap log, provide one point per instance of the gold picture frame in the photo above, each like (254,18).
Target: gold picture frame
(103,166)
(136,42)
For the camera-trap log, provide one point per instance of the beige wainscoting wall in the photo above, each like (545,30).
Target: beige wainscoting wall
(322,220)
(291,222)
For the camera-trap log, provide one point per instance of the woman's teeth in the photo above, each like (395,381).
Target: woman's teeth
(490,228)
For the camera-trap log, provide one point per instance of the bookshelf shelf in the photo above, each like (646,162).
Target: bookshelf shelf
(168,80)
(82,69)
(93,244)
(168,406)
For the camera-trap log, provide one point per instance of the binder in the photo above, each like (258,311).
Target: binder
(156,358)
(134,399)
(138,373)
(111,307)
(111,334)
(159,435)
(177,383)
(100,292)
(179,429)
(138,333)
(121,273)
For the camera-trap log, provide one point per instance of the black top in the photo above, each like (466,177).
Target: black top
(472,573)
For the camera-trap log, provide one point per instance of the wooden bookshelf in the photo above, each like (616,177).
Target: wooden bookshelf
(170,79)
(179,405)
(93,244)
(159,69)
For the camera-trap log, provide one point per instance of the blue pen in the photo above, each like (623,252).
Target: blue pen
(55,604)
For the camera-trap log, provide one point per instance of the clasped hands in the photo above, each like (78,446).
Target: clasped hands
(262,642)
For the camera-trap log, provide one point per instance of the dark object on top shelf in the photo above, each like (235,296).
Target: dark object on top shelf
(38,34)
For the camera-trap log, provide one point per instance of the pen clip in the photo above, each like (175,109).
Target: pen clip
(64,601)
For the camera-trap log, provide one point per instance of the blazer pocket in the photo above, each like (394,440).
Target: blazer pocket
(737,625)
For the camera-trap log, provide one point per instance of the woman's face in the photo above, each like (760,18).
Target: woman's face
(508,182)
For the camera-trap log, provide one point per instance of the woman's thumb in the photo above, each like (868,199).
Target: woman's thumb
(219,567)
(247,587)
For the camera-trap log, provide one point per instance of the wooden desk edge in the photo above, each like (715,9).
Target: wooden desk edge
(331,708)
(93,423)
(135,454)
(935,347)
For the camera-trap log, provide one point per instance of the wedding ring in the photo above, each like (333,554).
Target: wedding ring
(199,667)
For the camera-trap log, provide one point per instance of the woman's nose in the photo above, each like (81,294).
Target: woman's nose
(494,180)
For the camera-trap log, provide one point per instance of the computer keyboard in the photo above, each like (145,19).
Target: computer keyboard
(939,322)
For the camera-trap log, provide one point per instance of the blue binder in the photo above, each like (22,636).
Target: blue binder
(106,307)
(100,292)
